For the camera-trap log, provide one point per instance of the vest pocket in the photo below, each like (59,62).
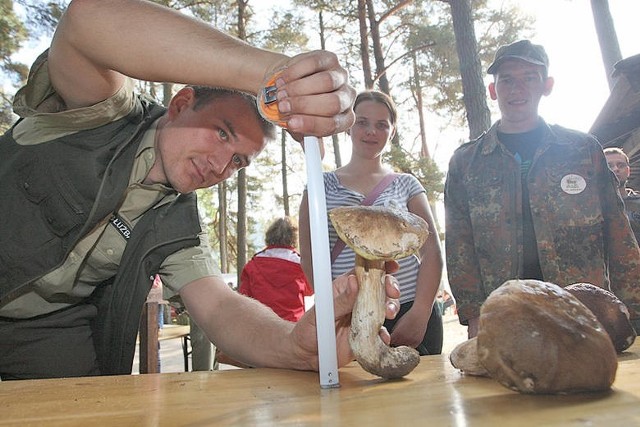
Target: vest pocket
(59,216)
(52,192)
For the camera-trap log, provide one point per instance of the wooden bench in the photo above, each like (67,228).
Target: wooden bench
(150,335)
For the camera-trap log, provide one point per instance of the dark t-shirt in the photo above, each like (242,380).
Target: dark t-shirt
(523,146)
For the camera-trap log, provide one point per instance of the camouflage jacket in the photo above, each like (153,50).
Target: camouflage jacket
(581,229)
(632,208)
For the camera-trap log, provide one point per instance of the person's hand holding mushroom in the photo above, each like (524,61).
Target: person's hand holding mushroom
(345,291)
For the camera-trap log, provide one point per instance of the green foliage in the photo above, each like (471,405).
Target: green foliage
(38,19)
(207,206)
(13,33)
(41,17)
(6,114)
(429,22)
(266,179)
(286,33)
(423,168)
(422,27)
(221,14)
(283,32)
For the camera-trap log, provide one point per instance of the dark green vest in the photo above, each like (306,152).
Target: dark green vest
(158,234)
(52,194)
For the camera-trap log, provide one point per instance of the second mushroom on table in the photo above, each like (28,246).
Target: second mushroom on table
(377,234)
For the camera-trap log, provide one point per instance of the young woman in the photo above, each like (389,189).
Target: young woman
(419,322)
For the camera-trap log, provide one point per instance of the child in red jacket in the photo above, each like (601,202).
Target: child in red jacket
(274,275)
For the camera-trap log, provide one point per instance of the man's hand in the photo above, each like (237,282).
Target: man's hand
(345,289)
(314,95)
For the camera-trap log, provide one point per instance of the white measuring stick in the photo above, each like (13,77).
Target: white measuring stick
(325,321)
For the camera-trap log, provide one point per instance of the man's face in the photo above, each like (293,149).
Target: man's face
(618,164)
(518,88)
(200,148)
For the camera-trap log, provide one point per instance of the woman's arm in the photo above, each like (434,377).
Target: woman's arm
(410,328)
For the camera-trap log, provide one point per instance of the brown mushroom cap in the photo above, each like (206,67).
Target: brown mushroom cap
(535,337)
(609,310)
(379,233)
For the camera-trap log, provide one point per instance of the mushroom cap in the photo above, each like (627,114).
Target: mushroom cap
(536,337)
(610,311)
(379,233)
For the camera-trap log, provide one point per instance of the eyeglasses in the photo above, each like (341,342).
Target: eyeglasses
(617,165)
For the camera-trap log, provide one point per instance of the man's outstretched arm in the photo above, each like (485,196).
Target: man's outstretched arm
(98,42)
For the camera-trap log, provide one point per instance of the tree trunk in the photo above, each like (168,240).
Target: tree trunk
(417,88)
(381,75)
(285,187)
(474,93)
(334,137)
(167,93)
(364,44)
(323,44)
(222,227)
(381,69)
(242,174)
(607,37)
(336,150)
(242,222)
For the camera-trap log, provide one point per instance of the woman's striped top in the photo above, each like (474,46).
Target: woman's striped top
(396,195)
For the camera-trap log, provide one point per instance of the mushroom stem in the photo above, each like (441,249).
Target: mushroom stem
(367,318)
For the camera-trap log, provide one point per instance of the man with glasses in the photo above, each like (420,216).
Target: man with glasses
(618,162)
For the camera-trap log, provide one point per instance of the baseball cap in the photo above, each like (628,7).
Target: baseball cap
(522,49)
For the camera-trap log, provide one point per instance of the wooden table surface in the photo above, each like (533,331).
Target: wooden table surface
(433,394)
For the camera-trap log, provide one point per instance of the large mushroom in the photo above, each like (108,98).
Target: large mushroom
(376,235)
(537,338)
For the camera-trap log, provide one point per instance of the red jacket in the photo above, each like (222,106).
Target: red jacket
(274,277)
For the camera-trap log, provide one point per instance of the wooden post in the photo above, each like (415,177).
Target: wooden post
(149,338)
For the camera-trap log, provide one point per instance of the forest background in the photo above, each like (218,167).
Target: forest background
(429,55)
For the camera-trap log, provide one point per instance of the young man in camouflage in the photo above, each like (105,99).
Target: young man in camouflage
(533,201)
(618,162)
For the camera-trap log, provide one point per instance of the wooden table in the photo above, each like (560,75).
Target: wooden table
(434,394)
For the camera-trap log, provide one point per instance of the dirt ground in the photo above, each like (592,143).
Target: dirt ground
(454,332)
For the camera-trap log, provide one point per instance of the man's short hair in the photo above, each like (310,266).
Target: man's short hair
(206,95)
(616,150)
